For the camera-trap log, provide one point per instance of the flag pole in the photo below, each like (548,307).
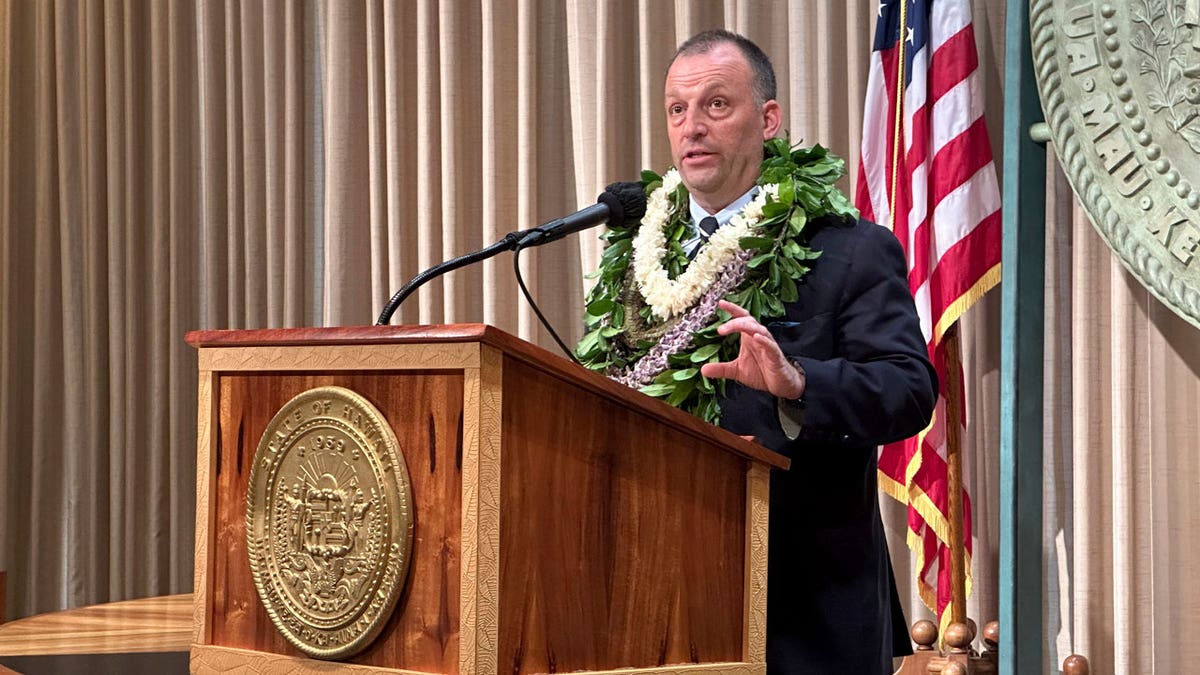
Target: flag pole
(954,501)
(897,126)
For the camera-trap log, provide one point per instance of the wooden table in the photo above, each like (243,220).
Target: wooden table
(162,624)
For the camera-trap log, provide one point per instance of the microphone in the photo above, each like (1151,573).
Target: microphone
(618,204)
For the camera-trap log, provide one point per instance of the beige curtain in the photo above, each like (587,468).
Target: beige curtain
(99,225)
(175,165)
(1123,472)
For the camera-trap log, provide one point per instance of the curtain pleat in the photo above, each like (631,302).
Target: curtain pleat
(216,169)
(232,173)
(653,145)
(527,151)
(70,52)
(1173,562)
(93,567)
(346,186)
(287,180)
(46,442)
(226,164)
(461,71)
(498,151)
(378,103)
(1058,478)
(185,281)
(274,102)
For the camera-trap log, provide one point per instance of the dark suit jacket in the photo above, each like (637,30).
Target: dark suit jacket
(832,605)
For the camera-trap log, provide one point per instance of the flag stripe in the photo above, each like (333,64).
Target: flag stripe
(965,262)
(964,207)
(956,60)
(872,193)
(915,92)
(964,155)
(954,112)
(948,20)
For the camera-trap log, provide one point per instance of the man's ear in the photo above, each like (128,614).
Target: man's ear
(772,119)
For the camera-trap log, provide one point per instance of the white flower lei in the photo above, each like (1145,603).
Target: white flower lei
(668,297)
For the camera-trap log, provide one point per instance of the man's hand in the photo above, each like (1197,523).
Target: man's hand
(760,363)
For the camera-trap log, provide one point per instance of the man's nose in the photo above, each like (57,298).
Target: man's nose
(694,124)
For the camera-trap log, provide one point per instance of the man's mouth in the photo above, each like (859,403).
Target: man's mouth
(695,154)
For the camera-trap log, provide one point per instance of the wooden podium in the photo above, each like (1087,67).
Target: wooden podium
(561,522)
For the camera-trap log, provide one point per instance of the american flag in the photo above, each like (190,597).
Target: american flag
(939,195)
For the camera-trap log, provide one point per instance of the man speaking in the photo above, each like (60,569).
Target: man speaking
(821,357)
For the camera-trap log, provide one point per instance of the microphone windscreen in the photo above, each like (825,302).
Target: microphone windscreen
(626,203)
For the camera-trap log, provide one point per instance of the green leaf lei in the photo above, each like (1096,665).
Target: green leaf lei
(622,330)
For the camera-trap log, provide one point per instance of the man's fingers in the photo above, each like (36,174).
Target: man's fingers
(764,343)
(718,370)
(733,309)
(746,325)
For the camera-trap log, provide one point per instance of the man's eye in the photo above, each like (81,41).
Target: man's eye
(676,109)
(719,103)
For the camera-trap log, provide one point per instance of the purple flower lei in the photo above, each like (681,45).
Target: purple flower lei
(679,337)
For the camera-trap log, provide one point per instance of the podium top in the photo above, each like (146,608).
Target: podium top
(360,335)
(502,341)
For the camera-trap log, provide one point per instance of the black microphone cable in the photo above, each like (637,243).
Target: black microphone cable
(532,303)
(627,202)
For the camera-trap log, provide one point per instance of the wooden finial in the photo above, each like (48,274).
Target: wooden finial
(958,637)
(1075,665)
(924,633)
(991,635)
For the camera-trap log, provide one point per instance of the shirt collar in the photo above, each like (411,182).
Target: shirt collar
(724,215)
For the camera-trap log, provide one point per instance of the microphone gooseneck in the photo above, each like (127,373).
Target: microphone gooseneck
(618,204)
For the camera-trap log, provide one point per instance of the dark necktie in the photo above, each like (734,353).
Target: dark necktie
(705,228)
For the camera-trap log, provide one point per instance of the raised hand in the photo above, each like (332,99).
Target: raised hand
(760,363)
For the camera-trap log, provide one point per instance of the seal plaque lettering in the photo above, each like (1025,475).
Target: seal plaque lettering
(329,522)
(1120,86)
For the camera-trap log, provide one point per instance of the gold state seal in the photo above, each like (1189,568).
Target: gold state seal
(1120,86)
(329,521)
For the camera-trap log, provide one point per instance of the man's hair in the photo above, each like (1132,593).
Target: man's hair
(764,72)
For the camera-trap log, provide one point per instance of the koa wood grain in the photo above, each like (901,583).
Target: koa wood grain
(622,540)
(425,409)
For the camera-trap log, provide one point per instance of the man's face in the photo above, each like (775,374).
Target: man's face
(716,127)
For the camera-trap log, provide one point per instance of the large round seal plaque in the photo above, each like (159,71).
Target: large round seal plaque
(329,521)
(1120,86)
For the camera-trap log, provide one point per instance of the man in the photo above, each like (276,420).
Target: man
(844,371)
